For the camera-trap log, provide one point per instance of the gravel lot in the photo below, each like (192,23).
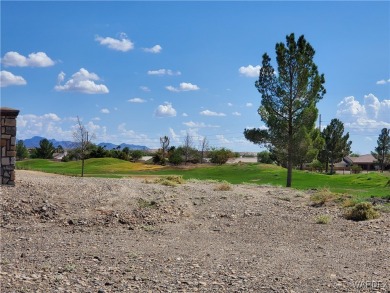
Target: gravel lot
(68,234)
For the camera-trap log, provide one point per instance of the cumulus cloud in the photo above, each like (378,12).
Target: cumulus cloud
(372,115)
(136,100)
(105,111)
(250,70)
(163,72)
(230,104)
(383,81)
(183,87)
(184,115)
(48,125)
(165,110)
(39,59)
(249,104)
(211,113)
(236,114)
(123,43)
(83,82)
(7,79)
(155,49)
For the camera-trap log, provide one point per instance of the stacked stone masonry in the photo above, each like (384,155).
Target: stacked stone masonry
(8,145)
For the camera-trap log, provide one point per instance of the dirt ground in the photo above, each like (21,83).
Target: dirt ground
(68,234)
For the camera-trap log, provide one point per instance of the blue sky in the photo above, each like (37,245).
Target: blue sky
(136,71)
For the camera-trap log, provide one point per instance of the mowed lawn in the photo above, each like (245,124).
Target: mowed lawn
(361,186)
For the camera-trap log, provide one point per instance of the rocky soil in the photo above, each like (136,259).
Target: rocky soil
(66,234)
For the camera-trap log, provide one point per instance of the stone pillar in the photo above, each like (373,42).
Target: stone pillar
(8,145)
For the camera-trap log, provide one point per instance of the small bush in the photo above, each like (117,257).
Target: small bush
(170,180)
(323,196)
(356,169)
(323,219)
(224,186)
(361,212)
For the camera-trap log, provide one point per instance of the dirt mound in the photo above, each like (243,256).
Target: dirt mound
(64,234)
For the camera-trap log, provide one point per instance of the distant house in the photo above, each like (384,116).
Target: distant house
(366,162)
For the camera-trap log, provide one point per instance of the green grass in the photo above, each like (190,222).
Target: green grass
(361,186)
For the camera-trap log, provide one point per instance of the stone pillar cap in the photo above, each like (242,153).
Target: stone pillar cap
(5,111)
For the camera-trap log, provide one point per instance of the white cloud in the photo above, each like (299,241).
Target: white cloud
(230,104)
(131,136)
(7,79)
(155,49)
(174,136)
(184,115)
(122,44)
(236,114)
(383,81)
(250,70)
(105,111)
(52,117)
(187,86)
(96,119)
(145,88)
(184,86)
(61,77)
(39,59)
(192,124)
(371,116)
(82,81)
(172,89)
(165,110)
(211,113)
(221,139)
(136,100)
(163,72)
(249,104)
(48,125)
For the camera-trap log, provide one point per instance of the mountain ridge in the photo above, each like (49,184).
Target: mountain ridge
(66,144)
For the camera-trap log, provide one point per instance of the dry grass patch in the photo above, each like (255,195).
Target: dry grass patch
(361,212)
(224,186)
(323,219)
(170,180)
(322,197)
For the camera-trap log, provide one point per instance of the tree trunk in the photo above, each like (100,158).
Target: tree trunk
(82,167)
(289,174)
(331,167)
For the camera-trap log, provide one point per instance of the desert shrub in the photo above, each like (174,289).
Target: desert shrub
(323,219)
(220,156)
(171,180)
(176,157)
(322,196)
(348,203)
(361,212)
(224,186)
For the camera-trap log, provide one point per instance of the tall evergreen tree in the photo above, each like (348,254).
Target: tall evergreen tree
(336,146)
(21,150)
(382,150)
(45,149)
(288,98)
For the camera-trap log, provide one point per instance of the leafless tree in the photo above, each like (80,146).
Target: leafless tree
(164,142)
(204,146)
(82,140)
(187,147)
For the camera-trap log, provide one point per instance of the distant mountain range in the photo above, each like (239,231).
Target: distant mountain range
(34,142)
